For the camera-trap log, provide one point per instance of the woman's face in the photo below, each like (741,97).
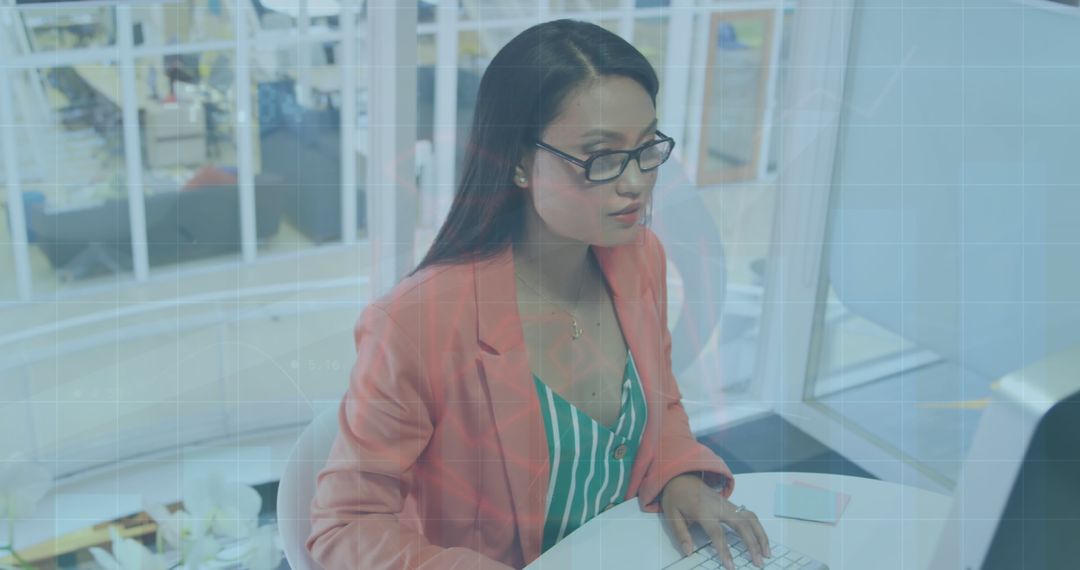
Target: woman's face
(570,205)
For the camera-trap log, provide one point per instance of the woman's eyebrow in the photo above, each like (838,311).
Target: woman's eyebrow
(606,134)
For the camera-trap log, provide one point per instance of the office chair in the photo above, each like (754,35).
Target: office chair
(692,242)
(297,487)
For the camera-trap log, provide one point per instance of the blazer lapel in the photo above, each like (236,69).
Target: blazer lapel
(507,375)
(638,318)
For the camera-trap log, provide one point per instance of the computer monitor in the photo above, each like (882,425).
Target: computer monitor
(1017,501)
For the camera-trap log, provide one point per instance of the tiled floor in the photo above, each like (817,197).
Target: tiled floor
(920,413)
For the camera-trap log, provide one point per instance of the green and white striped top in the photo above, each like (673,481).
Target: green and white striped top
(590,463)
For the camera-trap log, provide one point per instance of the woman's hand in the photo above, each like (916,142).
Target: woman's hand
(687,499)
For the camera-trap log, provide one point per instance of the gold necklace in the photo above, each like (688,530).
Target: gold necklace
(575,330)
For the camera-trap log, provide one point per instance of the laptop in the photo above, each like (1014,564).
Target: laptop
(602,544)
(1017,500)
(783,558)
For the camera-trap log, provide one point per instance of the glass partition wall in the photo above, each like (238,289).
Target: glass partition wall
(927,253)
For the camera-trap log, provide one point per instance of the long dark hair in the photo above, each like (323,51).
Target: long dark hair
(521,92)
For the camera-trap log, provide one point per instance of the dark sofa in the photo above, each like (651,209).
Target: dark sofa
(182,225)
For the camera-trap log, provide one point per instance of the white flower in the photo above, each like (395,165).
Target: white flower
(200,550)
(127,554)
(227,509)
(264,549)
(187,534)
(22,484)
(261,550)
(215,509)
(171,526)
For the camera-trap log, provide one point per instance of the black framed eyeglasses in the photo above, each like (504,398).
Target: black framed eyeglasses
(608,165)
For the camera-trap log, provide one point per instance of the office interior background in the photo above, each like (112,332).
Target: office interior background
(871,216)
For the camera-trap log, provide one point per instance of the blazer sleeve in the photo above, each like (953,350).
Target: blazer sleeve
(678,451)
(385,422)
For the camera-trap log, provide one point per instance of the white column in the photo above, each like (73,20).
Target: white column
(673,118)
(770,91)
(245,170)
(695,108)
(15,210)
(31,98)
(626,20)
(391,175)
(810,127)
(809,120)
(303,54)
(348,121)
(125,44)
(445,128)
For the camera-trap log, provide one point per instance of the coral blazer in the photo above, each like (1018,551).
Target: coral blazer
(441,459)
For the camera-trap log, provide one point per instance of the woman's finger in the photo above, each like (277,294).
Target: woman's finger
(763,539)
(679,527)
(746,533)
(719,541)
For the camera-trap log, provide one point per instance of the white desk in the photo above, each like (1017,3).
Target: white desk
(884,526)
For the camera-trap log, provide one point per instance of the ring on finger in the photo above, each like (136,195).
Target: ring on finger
(741,508)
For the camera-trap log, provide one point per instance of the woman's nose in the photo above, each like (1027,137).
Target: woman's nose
(633,181)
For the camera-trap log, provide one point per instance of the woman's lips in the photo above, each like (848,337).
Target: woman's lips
(628,217)
(635,208)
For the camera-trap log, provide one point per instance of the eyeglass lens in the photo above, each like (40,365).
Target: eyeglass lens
(611,165)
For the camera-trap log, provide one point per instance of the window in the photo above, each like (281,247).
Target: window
(213,332)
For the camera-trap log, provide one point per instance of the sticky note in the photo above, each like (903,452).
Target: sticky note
(805,503)
(842,499)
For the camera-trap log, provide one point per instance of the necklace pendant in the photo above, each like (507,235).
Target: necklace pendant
(575,329)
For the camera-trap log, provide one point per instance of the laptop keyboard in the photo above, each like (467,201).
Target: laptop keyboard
(783,558)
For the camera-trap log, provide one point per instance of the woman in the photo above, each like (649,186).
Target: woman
(485,421)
